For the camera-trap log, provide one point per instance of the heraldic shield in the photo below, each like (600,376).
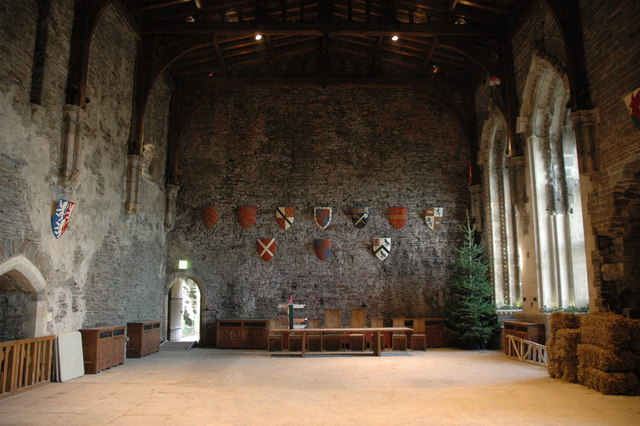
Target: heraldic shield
(210,216)
(266,248)
(61,216)
(433,217)
(360,216)
(397,216)
(381,247)
(322,216)
(246,216)
(284,217)
(323,248)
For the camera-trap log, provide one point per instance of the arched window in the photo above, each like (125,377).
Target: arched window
(501,237)
(555,189)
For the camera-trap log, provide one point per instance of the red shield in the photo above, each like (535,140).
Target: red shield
(210,216)
(397,216)
(246,216)
(323,248)
(266,248)
(284,217)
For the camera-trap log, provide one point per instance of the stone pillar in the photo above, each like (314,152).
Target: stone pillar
(584,127)
(171,194)
(69,156)
(175,311)
(476,205)
(134,162)
(524,234)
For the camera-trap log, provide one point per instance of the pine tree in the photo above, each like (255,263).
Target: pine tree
(470,313)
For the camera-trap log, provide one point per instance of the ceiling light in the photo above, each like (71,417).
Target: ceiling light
(183,265)
(190,19)
(395,37)
(258,36)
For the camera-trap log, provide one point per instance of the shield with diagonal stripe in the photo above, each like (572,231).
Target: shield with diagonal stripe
(323,248)
(360,216)
(284,217)
(266,248)
(322,216)
(433,217)
(397,216)
(210,216)
(246,216)
(381,247)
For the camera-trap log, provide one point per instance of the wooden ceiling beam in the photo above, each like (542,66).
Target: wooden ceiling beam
(327,28)
(163,5)
(220,56)
(483,7)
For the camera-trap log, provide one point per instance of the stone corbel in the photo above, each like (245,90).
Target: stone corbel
(70,152)
(171,194)
(584,126)
(134,164)
(517,181)
(476,205)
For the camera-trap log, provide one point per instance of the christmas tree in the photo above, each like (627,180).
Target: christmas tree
(470,313)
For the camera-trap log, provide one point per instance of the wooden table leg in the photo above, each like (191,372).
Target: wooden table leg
(304,342)
(375,343)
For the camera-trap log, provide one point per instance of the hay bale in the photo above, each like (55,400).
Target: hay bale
(591,356)
(606,330)
(566,370)
(565,344)
(562,320)
(609,383)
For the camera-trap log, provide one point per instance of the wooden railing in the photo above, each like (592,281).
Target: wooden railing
(526,350)
(25,364)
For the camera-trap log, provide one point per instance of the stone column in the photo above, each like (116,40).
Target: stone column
(524,234)
(69,156)
(584,127)
(134,163)
(476,205)
(171,194)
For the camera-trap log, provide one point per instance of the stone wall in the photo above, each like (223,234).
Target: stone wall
(308,147)
(107,267)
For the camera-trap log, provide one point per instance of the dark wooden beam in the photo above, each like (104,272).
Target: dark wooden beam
(219,54)
(430,52)
(328,28)
(483,7)
(163,5)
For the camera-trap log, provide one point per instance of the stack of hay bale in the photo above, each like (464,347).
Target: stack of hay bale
(600,351)
(562,348)
(608,354)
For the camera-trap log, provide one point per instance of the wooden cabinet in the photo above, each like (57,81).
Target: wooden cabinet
(524,330)
(242,334)
(434,330)
(144,338)
(102,348)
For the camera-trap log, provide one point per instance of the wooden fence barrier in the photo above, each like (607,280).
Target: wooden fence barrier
(25,364)
(526,350)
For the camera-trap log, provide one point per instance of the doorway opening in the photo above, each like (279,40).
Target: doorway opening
(184,311)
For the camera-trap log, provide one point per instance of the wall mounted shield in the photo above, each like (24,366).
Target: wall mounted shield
(433,217)
(381,247)
(246,216)
(210,216)
(266,248)
(322,216)
(284,217)
(397,216)
(360,216)
(323,248)
(61,217)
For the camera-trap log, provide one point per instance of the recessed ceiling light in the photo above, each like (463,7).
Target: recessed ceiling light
(395,38)
(258,36)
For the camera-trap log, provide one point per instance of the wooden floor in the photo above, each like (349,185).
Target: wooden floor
(228,387)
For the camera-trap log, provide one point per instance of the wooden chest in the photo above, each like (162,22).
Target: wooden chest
(242,333)
(434,330)
(144,338)
(102,348)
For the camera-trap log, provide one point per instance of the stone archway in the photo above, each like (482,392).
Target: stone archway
(173,279)
(22,290)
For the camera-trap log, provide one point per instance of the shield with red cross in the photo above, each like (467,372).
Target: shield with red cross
(266,248)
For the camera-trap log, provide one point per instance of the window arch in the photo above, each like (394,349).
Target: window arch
(554,187)
(501,238)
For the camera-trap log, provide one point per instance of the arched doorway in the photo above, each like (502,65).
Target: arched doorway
(184,311)
(22,308)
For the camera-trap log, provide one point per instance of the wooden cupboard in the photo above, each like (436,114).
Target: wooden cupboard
(144,338)
(102,348)
(242,333)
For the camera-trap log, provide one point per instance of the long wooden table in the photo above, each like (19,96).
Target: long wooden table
(376,347)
